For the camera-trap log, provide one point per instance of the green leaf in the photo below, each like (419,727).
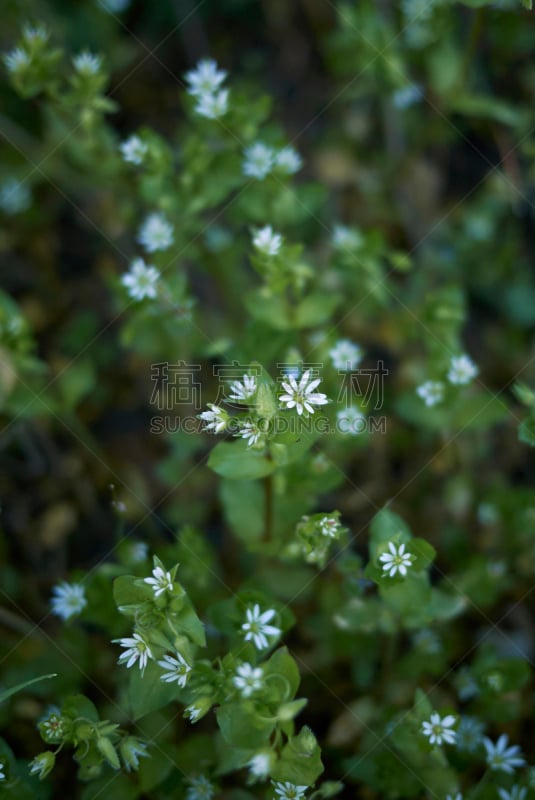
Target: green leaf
(244,728)
(528,4)
(188,623)
(526,430)
(147,692)
(79,707)
(130,591)
(243,504)
(238,461)
(281,665)
(20,686)
(425,554)
(300,760)
(386,527)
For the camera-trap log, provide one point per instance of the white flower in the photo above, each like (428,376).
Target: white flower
(216,419)
(192,713)
(267,241)
(156,233)
(141,281)
(462,370)
(15,196)
(256,627)
(206,78)
(212,106)
(427,641)
(457,796)
(244,389)
(35,33)
(138,551)
(87,63)
(248,679)
(438,729)
(161,581)
(68,599)
(2,772)
(351,420)
(301,395)
(132,749)
(178,667)
(469,734)
(346,238)
(397,560)
(42,764)
(251,432)
(133,150)
(200,788)
(501,757)
(515,793)
(260,765)
(407,96)
(288,160)
(137,650)
(259,161)
(17,60)
(431,392)
(52,726)
(346,355)
(289,791)
(329,526)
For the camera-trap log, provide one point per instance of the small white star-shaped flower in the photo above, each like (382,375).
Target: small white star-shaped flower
(259,160)
(178,669)
(267,241)
(397,560)
(462,370)
(301,396)
(329,526)
(289,791)
(134,150)
(86,63)
(288,161)
(141,281)
(243,390)
(346,355)
(216,419)
(501,757)
(351,421)
(161,581)
(205,79)
(438,729)
(250,432)
(156,233)
(248,679)
(68,599)
(212,106)
(137,649)
(516,792)
(17,60)
(431,392)
(256,626)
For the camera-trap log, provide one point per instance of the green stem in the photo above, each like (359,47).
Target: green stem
(473,41)
(268,508)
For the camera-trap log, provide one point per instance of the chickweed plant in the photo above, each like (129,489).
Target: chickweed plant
(266,395)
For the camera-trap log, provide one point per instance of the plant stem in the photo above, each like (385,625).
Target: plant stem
(268,508)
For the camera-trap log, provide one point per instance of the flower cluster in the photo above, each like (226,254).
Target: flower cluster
(204,84)
(260,159)
(461,371)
